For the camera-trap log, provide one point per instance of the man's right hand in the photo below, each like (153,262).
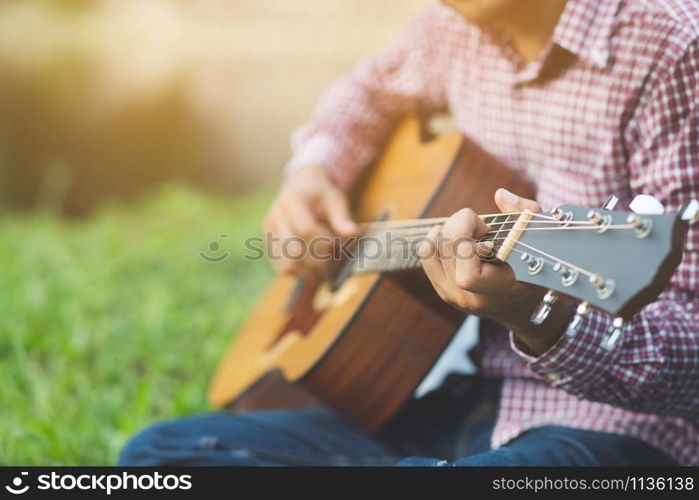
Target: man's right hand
(309,206)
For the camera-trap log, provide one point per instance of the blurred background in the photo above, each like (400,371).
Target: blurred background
(133,135)
(102,98)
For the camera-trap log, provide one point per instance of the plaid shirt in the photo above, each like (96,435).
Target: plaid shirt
(610,107)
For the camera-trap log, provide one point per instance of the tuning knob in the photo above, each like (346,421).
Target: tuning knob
(641,226)
(534,264)
(580,313)
(613,334)
(594,216)
(611,202)
(690,212)
(568,276)
(543,310)
(646,204)
(605,288)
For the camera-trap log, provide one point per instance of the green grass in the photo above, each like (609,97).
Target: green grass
(114,322)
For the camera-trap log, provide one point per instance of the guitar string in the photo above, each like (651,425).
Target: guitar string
(547,258)
(499,230)
(398,225)
(490,224)
(541,252)
(420,234)
(433,220)
(423,232)
(499,240)
(430,223)
(386,265)
(617,226)
(579,222)
(440,220)
(408,231)
(496,239)
(556,259)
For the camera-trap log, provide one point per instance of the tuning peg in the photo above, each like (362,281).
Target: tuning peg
(580,313)
(568,276)
(611,202)
(690,212)
(641,226)
(602,221)
(543,310)
(647,205)
(594,216)
(613,334)
(534,264)
(605,288)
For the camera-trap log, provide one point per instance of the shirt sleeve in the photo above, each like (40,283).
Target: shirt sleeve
(654,367)
(356,115)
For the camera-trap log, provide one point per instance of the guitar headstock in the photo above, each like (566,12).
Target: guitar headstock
(613,260)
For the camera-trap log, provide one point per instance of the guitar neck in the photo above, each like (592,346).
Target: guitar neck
(391,246)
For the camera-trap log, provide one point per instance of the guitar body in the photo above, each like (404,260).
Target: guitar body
(363,349)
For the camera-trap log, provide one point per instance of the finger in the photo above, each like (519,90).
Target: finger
(338,213)
(291,254)
(302,222)
(459,234)
(467,265)
(431,259)
(496,277)
(485,248)
(464,224)
(509,202)
(493,277)
(275,234)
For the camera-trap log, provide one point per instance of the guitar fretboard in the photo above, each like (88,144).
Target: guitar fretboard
(390,247)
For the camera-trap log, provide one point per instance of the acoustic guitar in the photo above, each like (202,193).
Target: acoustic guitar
(362,340)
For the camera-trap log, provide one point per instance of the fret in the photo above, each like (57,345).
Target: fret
(504,223)
(490,219)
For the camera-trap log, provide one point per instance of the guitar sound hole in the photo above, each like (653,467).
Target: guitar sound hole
(345,273)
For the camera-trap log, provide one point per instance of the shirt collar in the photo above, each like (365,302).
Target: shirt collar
(585,28)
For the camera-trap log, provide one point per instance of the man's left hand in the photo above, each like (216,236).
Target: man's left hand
(451,257)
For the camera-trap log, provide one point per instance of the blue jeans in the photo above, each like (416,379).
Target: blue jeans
(454,426)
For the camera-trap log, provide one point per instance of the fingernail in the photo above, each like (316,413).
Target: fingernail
(485,248)
(508,197)
(486,245)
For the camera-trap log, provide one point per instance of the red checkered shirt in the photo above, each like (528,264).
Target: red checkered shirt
(610,107)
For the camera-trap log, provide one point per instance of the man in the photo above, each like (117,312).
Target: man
(589,98)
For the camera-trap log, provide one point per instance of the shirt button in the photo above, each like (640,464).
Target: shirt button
(554,376)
